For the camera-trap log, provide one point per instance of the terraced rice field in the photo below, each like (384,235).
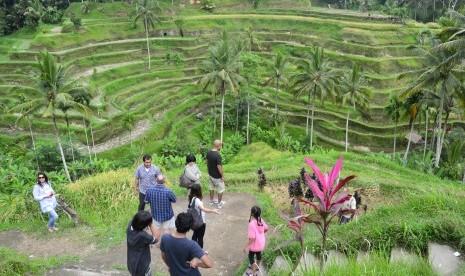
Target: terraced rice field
(110,56)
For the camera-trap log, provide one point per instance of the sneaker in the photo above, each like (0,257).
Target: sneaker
(55,229)
(50,230)
(221,204)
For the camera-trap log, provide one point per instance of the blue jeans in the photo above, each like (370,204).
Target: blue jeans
(52,217)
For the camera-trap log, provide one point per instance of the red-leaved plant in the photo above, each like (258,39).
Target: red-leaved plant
(328,203)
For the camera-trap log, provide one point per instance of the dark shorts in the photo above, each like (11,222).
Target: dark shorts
(254,256)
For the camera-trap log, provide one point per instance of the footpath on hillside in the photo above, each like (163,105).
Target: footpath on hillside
(225,238)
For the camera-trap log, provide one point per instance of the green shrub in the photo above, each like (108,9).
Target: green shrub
(51,15)
(49,157)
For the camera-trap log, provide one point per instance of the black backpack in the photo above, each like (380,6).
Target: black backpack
(197,220)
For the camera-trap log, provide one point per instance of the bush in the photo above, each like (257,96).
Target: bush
(52,15)
(76,21)
(84,167)
(49,158)
(232,145)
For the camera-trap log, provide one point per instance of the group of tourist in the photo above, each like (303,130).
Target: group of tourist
(160,226)
(183,256)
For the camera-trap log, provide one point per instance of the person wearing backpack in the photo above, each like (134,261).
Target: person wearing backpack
(191,174)
(257,240)
(196,208)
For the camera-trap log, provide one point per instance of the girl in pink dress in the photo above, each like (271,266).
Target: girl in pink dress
(257,240)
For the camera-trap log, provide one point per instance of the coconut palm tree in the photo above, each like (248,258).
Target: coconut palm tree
(25,113)
(277,76)
(65,107)
(411,107)
(356,94)
(313,76)
(438,75)
(222,69)
(144,13)
(456,38)
(55,88)
(83,97)
(393,110)
(251,40)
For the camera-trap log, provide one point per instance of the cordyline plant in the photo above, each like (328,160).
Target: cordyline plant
(328,203)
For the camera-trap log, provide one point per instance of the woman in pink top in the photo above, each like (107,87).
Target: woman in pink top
(256,244)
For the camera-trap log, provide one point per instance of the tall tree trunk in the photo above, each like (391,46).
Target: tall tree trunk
(69,136)
(222,117)
(443,135)
(313,115)
(87,140)
(438,136)
(434,10)
(463,180)
(93,140)
(347,131)
(215,114)
(395,139)
(57,136)
(276,98)
(408,144)
(308,113)
(222,109)
(248,120)
(426,133)
(433,139)
(237,115)
(33,142)
(147,37)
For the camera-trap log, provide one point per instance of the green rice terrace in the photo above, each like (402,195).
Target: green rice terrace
(87,89)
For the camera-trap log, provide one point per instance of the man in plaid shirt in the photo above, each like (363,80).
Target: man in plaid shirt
(160,199)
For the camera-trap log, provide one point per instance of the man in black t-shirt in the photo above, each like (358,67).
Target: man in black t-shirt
(215,171)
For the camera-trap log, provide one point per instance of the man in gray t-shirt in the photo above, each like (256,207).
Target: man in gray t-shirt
(145,176)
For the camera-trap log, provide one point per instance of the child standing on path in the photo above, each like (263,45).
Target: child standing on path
(195,200)
(257,240)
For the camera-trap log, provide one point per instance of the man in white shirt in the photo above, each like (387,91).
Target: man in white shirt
(348,209)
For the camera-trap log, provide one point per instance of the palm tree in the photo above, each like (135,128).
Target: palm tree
(456,38)
(439,76)
(65,107)
(222,69)
(83,98)
(355,93)
(144,13)
(278,76)
(25,113)
(314,76)
(411,107)
(55,88)
(393,110)
(251,41)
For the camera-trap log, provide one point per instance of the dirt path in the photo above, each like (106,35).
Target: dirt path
(122,139)
(225,237)
(102,68)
